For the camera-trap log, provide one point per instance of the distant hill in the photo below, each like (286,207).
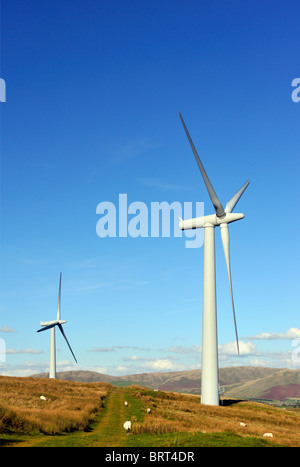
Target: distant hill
(238,382)
(291,391)
(81,376)
(266,387)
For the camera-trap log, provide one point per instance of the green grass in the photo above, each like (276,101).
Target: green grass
(196,439)
(183,439)
(135,410)
(123,383)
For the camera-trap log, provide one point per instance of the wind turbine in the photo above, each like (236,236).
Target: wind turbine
(51,325)
(210,372)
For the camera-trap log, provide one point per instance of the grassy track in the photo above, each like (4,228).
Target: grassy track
(106,430)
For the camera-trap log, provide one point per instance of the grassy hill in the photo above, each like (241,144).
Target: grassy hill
(262,387)
(64,406)
(92,414)
(238,382)
(81,376)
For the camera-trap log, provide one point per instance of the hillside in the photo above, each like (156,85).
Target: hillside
(41,412)
(266,387)
(81,376)
(238,382)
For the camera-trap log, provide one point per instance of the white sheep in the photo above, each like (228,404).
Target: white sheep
(127,425)
(43,398)
(243,424)
(126,403)
(268,435)
(148,410)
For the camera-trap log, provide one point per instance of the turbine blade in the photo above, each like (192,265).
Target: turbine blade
(46,327)
(62,331)
(59,299)
(212,194)
(225,242)
(233,201)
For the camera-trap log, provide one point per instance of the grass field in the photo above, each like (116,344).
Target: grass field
(92,414)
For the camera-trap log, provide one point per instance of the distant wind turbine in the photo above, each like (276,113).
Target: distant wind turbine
(210,370)
(51,325)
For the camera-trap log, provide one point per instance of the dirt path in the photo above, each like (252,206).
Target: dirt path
(107,429)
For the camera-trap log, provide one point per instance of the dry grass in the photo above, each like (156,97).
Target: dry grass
(177,412)
(68,406)
(72,406)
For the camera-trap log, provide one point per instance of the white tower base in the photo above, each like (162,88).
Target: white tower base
(210,370)
(52,368)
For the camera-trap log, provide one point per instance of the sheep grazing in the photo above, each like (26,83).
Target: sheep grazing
(243,424)
(126,403)
(43,398)
(127,425)
(148,410)
(268,435)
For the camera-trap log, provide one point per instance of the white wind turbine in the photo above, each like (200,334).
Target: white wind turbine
(210,372)
(51,325)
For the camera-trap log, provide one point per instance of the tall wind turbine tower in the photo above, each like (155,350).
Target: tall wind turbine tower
(210,369)
(51,325)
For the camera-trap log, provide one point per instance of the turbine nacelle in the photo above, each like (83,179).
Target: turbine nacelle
(52,323)
(211,219)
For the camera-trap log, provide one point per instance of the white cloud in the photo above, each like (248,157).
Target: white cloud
(23,351)
(7,329)
(246,348)
(135,358)
(121,368)
(163,364)
(181,350)
(292,333)
(65,365)
(259,362)
(24,369)
(117,347)
(99,369)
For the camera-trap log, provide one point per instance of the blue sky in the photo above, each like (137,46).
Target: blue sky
(93,90)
